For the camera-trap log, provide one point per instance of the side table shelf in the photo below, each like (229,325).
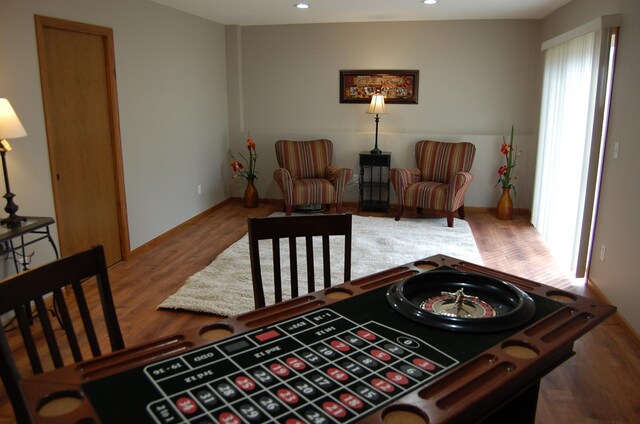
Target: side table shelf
(374,181)
(37,227)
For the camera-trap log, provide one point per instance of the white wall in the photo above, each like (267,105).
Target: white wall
(477,78)
(171,81)
(617,225)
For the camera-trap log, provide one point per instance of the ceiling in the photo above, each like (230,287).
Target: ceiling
(282,12)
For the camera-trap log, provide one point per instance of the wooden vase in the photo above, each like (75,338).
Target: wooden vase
(505,205)
(251,199)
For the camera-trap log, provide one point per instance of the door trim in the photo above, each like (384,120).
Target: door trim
(42,22)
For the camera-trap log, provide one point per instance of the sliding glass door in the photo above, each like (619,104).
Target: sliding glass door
(571,137)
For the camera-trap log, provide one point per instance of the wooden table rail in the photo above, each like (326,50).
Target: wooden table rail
(424,375)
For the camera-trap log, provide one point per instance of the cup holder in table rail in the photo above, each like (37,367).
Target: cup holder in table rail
(216,331)
(404,414)
(520,350)
(561,296)
(426,265)
(60,403)
(338,293)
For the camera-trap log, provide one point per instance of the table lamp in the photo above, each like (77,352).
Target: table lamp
(377,107)
(10,127)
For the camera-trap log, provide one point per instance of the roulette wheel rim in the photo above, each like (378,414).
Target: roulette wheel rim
(423,298)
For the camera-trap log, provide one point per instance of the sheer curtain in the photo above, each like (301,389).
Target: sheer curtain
(566,123)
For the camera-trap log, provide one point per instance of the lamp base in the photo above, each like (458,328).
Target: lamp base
(13,221)
(376,151)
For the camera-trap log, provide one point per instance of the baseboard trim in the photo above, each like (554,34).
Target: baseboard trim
(157,240)
(268,200)
(618,317)
(393,206)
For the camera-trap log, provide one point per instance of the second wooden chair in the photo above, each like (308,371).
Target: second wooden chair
(293,228)
(75,283)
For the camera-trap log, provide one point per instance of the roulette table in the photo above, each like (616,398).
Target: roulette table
(436,340)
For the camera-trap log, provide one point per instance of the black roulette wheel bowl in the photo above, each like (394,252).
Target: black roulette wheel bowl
(513,307)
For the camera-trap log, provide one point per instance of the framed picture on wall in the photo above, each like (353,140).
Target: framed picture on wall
(396,86)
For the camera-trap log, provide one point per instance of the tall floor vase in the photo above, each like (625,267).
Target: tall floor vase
(505,205)
(251,199)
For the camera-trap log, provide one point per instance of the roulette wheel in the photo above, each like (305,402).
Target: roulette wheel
(461,301)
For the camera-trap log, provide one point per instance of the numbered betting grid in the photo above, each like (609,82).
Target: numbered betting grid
(316,368)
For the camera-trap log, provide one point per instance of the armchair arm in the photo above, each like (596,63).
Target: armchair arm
(283,178)
(401,178)
(457,189)
(339,177)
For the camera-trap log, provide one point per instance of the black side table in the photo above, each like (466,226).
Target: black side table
(34,225)
(374,181)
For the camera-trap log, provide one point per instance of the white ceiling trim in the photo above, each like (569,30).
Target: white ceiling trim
(284,12)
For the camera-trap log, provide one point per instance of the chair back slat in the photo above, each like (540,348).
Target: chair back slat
(24,323)
(277,272)
(256,273)
(85,316)
(108,305)
(326,261)
(311,276)
(10,377)
(55,341)
(297,228)
(347,252)
(293,266)
(62,310)
(49,335)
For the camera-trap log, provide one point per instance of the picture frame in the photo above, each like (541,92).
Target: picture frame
(397,86)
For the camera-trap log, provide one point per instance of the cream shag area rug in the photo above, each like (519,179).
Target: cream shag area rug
(224,287)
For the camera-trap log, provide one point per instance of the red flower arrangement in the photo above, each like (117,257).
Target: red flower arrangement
(248,169)
(511,158)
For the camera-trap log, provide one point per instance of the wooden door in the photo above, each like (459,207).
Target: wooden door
(77,71)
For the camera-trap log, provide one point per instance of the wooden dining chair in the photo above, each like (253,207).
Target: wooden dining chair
(292,229)
(68,288)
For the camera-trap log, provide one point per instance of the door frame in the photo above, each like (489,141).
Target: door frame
(42,22)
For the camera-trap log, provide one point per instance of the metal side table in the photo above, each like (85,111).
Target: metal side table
(13,242)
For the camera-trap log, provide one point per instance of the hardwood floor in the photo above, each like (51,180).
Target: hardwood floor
(596,385)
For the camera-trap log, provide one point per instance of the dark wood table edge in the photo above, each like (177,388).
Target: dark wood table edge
(470,393)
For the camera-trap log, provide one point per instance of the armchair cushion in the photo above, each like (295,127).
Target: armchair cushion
(306,159)
(439,161)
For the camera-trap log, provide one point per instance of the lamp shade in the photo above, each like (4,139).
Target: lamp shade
(377,104)
(10,125)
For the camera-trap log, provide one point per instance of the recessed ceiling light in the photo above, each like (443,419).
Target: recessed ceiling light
(302,5)
(429,1)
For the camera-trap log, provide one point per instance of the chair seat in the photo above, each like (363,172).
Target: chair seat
(426,193)
(313,191)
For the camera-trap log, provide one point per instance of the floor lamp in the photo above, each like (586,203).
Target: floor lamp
(377,107)
(10,127)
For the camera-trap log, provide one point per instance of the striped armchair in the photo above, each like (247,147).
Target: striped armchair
(306,176)
(440,180)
